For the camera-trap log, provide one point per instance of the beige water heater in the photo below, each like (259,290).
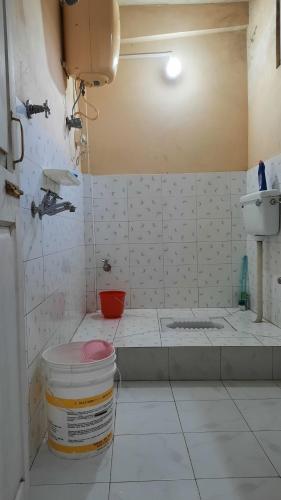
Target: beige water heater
(92,40)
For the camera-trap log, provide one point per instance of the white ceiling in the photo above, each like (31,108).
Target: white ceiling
(159,2)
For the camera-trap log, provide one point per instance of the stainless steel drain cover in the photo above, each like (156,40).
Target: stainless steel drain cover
(192,324)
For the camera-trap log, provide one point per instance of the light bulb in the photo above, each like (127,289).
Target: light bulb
(173,68)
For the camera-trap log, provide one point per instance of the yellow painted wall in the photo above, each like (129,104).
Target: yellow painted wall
(264,83)
(198,123)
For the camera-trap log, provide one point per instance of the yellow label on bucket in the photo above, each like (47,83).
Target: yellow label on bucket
(87,448)
(79,403)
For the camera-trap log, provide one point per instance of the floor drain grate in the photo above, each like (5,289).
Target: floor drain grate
(192,325)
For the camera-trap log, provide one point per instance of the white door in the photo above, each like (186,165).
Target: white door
(12,373)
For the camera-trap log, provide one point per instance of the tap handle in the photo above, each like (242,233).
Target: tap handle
(55,195)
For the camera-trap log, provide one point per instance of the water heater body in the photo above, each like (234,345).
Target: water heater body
(92,40)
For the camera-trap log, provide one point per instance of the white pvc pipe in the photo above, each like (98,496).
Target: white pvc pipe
(259,282)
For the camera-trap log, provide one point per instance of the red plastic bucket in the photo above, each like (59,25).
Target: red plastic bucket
(112,303)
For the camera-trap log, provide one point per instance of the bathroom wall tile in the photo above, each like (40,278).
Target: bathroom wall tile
(147,298)
(88,209)
(214,252)
(179,207)
(146,254)
(117,278)
(90,280)
(194,363)
(236,211)
(31,179)
(180,276)
(178,254)
(144,185)
(87,185)
(145,231)
(34,283)
(89,256)
(109,186)
(214,230)
(216,183)
(145,208)
(36,384)
(179,185)
(179,231)
(246,363)
(181,297)
(238,250)
(111,232)
(238,231)
(214,275)
(146,277)
(91,305)
(114,209)
(143,363)
(118,255)
(236,272)
(213,207)
(238,183)
(89,232)
(212,296)
(31,236)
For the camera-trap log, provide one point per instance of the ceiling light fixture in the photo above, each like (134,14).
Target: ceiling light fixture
(173,68)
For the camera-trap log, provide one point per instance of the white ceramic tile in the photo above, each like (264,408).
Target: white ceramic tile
(31,236)
(49,469)
(71,492)
(261,389)
(236,211)
(214,252)
(271,443)
(232,341)
(179,184)
(238,250)
(136,392)
(238,231)
(145,231)
(179,207)
(180,254)
(147,418)
(207,416)
(145,208)
(34,283)
(158,490)
(214,275)
(144,185)
(147,339)
(181,297)
(136,325)
(246,363)
(111,232)
(117,278)
(214,230)
(215,296)
(90,280)
(261,414)
(87,185)
(146,254)
(216,183)
(152,457)
(109,186)
(88,209)
(183,339)
(194,363)
(131,363)
(118,255)
(89,232)
(179,231)
(238,183)
(213,207)
(146,277)
(199,391)
(180,276)
(110,209)
(31,177)
(89,256)
(234,454)
(238,488)
(142,298)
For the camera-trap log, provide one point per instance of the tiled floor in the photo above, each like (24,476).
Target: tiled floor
(141,328)
(181,441)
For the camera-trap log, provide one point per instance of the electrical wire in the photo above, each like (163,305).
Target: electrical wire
(82,93)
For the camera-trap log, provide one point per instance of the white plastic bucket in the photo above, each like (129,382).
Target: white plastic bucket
(80,401)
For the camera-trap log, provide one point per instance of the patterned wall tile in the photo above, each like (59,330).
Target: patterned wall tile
(146,277)
(214,230)
(34,283)
(181,297)
(145,231)
(118,255)
(214,275)
(179,231)
(109,186)
(145,208)
(31,236)
(146,254)
(238,183)
(179,184)
(117,278)
(213,207)
(214,252)
(147,298)
(111,232)
(114,209)
(179,207)
(144,185)
(213,183)
(238,231)
(215,297)
(178,254)
(180,276)
(236,210)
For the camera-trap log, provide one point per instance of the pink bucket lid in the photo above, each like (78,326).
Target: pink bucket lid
(95,350)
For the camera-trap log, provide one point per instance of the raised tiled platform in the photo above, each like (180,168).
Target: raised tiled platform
(242,349)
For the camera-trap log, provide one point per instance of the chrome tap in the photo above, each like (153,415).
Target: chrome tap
(106,266)
(49,205)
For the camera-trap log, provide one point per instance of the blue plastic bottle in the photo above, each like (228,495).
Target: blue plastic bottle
(261,176)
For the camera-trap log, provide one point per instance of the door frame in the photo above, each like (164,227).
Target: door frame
(13,220)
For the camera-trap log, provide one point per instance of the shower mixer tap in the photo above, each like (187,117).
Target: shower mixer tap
(49,205)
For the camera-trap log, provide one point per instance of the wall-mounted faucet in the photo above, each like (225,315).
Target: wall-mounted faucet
(49,205)
(34,109)
(106,266)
